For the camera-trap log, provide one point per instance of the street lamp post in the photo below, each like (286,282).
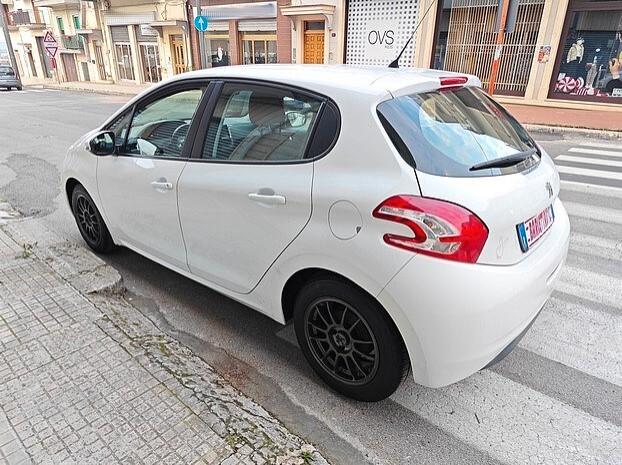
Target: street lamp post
(7,39)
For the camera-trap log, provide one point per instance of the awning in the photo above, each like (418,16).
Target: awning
(159,25)
(257,10)
(319,9)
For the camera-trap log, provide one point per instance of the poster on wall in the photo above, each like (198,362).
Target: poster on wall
(590,64)
(378,29)
(380,36)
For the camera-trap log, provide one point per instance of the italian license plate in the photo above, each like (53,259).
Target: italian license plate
(534,228)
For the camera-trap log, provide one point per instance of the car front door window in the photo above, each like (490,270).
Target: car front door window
(159,128)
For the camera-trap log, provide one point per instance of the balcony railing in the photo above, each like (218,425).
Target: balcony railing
(23,18)
(72,42)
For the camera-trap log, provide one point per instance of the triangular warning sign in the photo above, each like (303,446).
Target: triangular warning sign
(49,37)
(51,51)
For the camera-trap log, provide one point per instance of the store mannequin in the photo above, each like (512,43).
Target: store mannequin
(592,70)
(576,51)
(614,69)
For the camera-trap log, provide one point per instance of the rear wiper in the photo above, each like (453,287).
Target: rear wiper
(503,162)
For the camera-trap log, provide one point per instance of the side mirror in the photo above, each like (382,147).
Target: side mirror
(102,144)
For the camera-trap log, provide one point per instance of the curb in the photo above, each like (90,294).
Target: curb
(104,91)
(574,132)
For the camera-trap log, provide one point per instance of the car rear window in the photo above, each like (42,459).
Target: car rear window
(6,71)
(446,132)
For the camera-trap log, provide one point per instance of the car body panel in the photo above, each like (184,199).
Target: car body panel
(139,212)
(215,208)
(517,197)
(457,317)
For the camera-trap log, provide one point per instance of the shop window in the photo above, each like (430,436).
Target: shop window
(258,47)
(466,38)
(124,61)
(217,46)
(589,61)
(150,57)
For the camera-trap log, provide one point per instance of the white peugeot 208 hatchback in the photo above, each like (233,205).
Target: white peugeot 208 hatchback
(401,218)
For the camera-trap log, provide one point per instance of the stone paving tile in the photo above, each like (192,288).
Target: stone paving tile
(85,378)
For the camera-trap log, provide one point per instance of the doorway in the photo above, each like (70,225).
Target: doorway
(179,54)
(313,42)
(69,63)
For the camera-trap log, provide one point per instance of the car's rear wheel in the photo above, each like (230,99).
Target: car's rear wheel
(90,222)
(349,340)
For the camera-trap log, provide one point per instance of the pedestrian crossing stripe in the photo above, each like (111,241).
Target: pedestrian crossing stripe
(590,161)
(608,153)
(590,172)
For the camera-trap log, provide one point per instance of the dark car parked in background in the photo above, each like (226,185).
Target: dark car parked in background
(8,79)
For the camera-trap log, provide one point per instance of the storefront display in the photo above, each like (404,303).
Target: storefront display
(217,46)
(590,54)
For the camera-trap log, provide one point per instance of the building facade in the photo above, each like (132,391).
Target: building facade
(563,53)
(27,27)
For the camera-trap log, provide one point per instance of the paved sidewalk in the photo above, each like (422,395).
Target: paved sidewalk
(97,87)
(85,378)
(564,117)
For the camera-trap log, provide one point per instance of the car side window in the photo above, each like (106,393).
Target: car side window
(255,123)
(159,128)
(119,127)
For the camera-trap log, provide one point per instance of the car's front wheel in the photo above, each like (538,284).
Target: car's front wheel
(349,340)
(90,222)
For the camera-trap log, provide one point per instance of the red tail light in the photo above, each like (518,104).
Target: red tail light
(441,229)
(454,81)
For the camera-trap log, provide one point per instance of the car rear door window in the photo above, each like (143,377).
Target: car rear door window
(254,123)
(448,131)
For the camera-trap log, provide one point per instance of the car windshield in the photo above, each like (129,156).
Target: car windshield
(447,132)
(6,71)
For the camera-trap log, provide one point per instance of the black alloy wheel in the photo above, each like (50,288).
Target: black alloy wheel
(349,339)
(341,341)
(90,222)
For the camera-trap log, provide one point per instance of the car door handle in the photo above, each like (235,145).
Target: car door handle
(162,185)
(269,199)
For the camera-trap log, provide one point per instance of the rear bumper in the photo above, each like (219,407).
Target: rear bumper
(457,318)
(10,83)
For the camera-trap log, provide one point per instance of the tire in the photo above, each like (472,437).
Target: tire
(338,326)
(90,222)
(19,88)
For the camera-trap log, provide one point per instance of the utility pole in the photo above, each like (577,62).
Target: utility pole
(7,38)
(504,5)
(198,12)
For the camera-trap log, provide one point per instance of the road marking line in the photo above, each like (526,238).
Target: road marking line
(602,145)
(590,285)
(595,189)
(608,153)
(589,172)
(592,161)
(582,210)
(597,246)
(579,337)
(514,423)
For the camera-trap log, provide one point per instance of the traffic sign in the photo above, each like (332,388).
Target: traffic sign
(201,22)
(50,44)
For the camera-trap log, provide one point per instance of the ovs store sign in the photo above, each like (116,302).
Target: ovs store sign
(381,40)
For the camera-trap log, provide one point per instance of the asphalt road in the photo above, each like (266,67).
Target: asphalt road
(556,399)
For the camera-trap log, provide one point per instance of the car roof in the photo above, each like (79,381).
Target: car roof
(364,79)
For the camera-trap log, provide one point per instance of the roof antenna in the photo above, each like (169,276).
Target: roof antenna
(395,63)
